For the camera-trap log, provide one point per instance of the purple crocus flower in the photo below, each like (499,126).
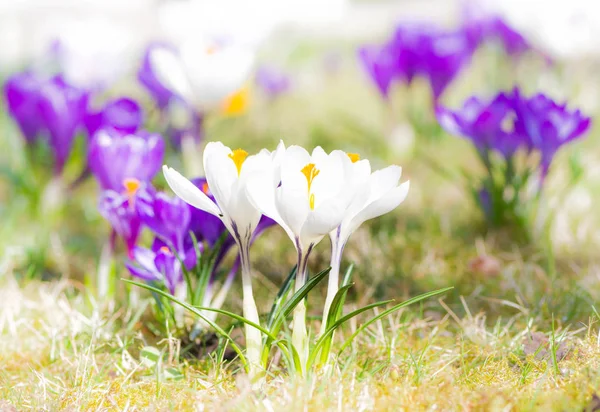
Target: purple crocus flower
(158,264)
(168,217)
(548,125)
(418,49)
(117,160)
(424,50)
(482,26)
(488,124)
(161,94)
(21,95)
(121,212)
(48,108)
(272,81)
(380,64)
(123,115)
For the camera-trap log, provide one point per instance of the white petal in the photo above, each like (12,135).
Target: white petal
(215,75)
(382,181)
(293,207)
(221,173)
(171,72)
(188,192)
(320,222)
(381,206)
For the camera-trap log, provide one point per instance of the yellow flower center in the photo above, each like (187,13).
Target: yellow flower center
(310,171)
(131,185)
(354,157)
(237,103)
(165,250)
(238,156)
(205,186)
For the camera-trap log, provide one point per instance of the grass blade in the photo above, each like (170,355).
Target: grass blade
(216,327)
(280,298)
(391,310)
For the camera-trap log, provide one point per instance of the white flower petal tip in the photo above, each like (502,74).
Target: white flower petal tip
(189,193)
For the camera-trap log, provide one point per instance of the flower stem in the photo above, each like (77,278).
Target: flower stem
(253,335)
(105,266)
(334,279)
(299,333)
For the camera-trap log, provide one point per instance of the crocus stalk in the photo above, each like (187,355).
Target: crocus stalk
(227,174)
(377,193)
(306,195)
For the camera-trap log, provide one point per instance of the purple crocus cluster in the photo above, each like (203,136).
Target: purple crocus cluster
(48,109)
(417,50)
(508,123)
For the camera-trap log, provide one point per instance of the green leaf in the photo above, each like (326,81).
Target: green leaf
(296,298)
(335,310)
(348,275)
(216,327)
(389,311)
(149,356)
(281,295)
(173,373)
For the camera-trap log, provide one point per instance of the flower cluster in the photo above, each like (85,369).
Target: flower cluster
(49,109)
(418,50)
(310,195)
(507,124)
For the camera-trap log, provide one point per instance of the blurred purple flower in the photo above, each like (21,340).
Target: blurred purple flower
(123,115)
(418,49)
(158,264)
(380,64)
(548,125)
(483,26)
(272,81)
(121,212)
(21,94)
(117,160)
(48,108)
(425,50)
(161,94)
(489,125)
(511,121)
(61,110)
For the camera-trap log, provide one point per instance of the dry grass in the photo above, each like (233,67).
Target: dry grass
(58,353)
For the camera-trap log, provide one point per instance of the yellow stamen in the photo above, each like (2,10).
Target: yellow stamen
(354,157)
(131,186)
(237,103)
(211,49)
(310,171)
(165,249)
(205,186)
(238,156)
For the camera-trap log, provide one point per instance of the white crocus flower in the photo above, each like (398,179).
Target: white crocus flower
(308,198)
(227,173)
(203,73)
(377,193)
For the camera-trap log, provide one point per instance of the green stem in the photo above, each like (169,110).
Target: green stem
(253,335)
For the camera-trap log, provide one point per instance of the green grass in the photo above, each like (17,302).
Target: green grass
(517,332)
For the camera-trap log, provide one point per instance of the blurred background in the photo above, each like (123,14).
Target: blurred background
(310,80)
